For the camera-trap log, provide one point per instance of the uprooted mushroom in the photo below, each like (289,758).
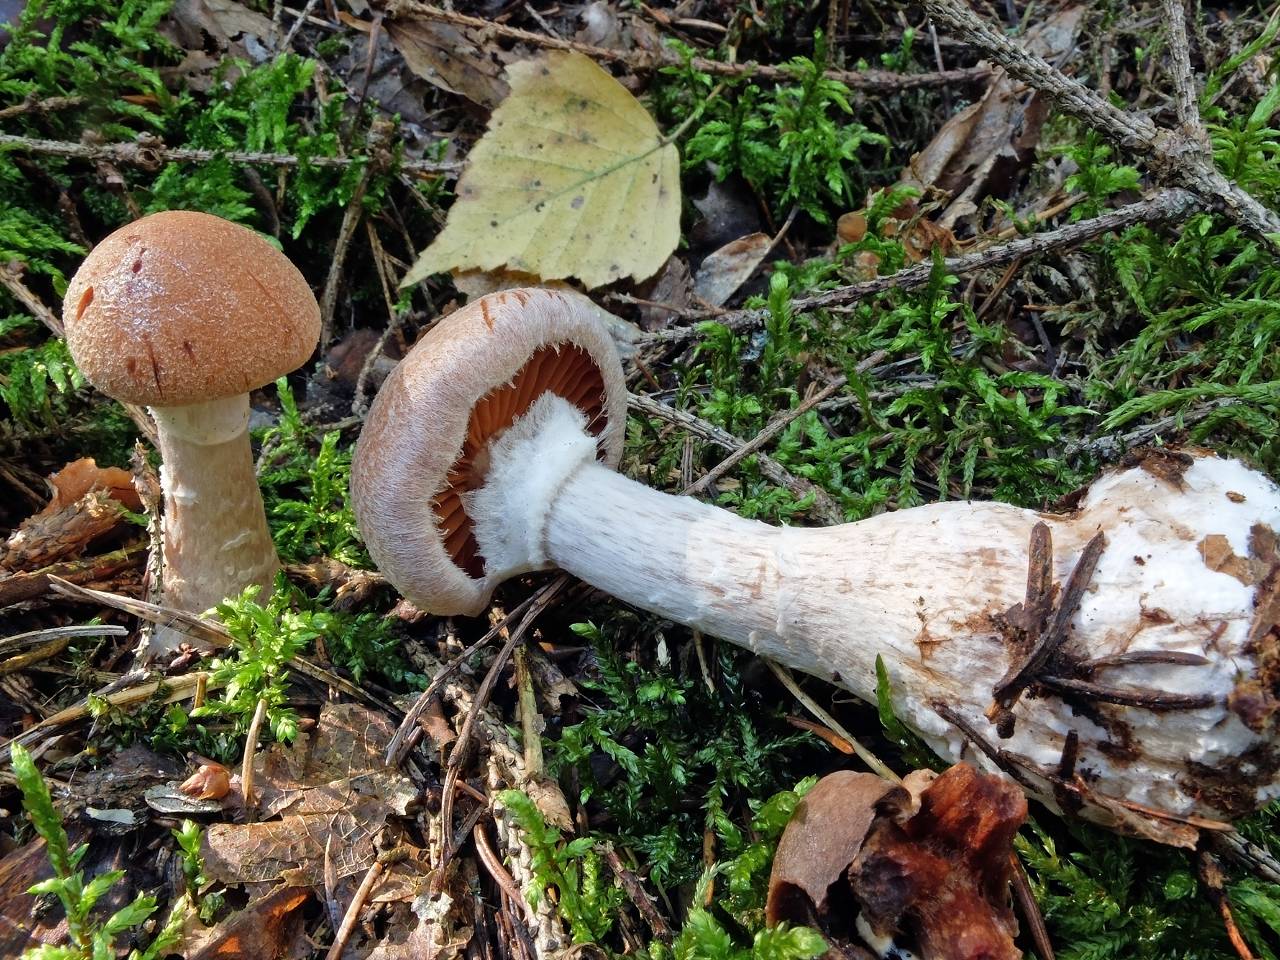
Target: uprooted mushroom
(1120,659)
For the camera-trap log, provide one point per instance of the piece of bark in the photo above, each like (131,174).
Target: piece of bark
(85,507)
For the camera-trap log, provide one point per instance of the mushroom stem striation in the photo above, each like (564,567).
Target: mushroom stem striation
(942,593)
(216,538)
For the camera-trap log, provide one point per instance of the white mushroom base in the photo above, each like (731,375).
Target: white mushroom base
(1189,566)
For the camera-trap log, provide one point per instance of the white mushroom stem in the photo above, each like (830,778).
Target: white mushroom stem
(929,590)
(216,540)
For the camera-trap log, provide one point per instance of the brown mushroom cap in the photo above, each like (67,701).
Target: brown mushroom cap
(425,441)
(183,307)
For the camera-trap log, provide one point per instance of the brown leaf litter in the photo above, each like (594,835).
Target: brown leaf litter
(925,865)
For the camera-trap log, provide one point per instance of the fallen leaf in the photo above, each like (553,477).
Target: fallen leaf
(330,783)
(825,833)
(571,179)
(978,151)
(927,863)
(20,926)
(220,19)
(672,287)
(292,848)
(725,270)
(265,929)
(449,58)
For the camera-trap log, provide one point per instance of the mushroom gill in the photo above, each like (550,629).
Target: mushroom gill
(564,369)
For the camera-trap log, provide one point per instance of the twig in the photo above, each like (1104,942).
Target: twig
(11,645)
(250,748)
(1165,205)
(539,602)
(1175,158)
(379,136)
(1021,676)
(174,688)
(209,631)
(1210,873)
(1185,97)
(878,767)
(878,80)
(33,104)
(636,891)
(824,508)
(349,919)
(1125,697)
(1031,914)
(493,866)
(405,737)
(301,18)
(151,154)
(21,587)
(1257,859)
(531,722)
(771,430)
(1109,447)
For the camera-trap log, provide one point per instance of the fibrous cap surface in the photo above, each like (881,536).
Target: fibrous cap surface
(183,307)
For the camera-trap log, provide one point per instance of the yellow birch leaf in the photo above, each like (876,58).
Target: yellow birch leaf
(572,179)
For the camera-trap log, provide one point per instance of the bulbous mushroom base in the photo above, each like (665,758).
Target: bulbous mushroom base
(1142,692)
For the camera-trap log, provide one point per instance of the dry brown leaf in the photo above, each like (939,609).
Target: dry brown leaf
(978,151)
(220,19)
(825,834)
(265,929)
(331,783)
(212,781)
(725,270)
(928,862)
(293,847)
(450,58)
(20,927)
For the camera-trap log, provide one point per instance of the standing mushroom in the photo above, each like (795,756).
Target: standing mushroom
(186,313)
(1121,659)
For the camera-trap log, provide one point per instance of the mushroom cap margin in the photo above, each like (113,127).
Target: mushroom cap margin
(416,427)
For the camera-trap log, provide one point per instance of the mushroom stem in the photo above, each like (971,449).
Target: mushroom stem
(216,540)
(933,592)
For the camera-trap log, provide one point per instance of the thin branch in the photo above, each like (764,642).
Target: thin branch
(824,508)
(379,136)
(33,104)
(1165,205)
(1185,97)
(879,80)
(1173,157)
(150,154)
(771,430)
(878,766)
